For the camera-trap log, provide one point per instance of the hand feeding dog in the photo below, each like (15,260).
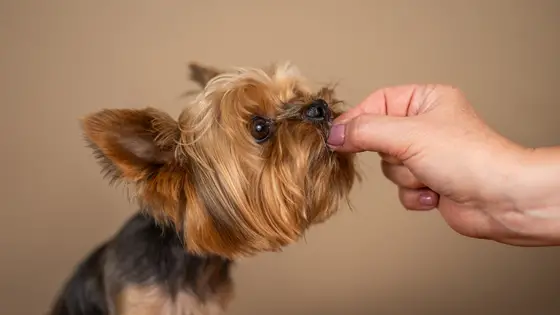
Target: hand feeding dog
(244,169)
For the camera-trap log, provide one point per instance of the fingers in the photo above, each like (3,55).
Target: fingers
(400,100)
(418,199)
(377,123)
(370,132)
(413,194)
(390,159)
(466,220)
(400,175)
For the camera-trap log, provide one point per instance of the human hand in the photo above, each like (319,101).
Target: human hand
(440,154)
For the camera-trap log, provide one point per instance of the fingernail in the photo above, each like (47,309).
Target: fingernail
(336,135)
(426,199)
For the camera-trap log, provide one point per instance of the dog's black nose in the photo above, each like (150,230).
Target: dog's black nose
(317,111)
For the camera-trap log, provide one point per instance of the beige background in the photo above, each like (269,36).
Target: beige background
(62,59)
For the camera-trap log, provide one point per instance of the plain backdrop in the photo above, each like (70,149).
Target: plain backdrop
(62,59)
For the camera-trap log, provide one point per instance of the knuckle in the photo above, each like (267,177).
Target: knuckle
(389,171)
(390,159)
(410,181)
(400,175)
(355,133)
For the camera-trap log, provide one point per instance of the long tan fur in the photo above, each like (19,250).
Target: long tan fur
(204,172)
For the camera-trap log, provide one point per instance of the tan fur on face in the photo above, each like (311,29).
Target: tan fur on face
(205,173)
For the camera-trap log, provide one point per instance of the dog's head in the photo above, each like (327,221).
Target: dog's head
(244,169)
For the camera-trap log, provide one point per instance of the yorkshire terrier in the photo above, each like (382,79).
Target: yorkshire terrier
(244,169)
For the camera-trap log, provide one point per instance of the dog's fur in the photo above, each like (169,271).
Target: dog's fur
(245,169)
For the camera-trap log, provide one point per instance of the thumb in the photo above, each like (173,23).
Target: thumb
(391,135)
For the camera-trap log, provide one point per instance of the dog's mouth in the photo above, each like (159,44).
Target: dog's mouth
(317,113)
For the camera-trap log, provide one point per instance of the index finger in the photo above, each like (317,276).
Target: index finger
(394,101)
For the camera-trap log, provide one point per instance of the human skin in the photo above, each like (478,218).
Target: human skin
(442,155)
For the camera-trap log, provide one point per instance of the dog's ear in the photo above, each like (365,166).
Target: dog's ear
(202,74)
(138,146)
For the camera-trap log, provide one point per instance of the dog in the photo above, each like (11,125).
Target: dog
(244,169)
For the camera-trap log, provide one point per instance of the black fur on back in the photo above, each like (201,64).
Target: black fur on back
(84,292)
(141,253)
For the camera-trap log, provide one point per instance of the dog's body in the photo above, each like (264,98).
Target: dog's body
(144,269)
(244,170)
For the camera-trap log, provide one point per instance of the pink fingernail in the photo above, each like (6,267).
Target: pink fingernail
(426,199)
(336,135)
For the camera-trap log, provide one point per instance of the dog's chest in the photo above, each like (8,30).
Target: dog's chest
(187,304)
(155,301)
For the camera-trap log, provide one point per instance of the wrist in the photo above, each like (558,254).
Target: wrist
(533,196)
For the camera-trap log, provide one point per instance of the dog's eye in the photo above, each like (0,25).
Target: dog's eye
(260,129)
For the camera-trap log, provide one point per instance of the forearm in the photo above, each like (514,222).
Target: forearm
(535,196)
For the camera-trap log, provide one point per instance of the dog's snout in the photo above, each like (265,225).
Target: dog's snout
(317,111)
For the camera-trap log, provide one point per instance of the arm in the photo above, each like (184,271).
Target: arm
(534,194)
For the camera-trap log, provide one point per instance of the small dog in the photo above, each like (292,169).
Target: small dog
(244,169)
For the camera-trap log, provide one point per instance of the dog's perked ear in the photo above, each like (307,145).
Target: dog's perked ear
(202,74)
(137,146)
